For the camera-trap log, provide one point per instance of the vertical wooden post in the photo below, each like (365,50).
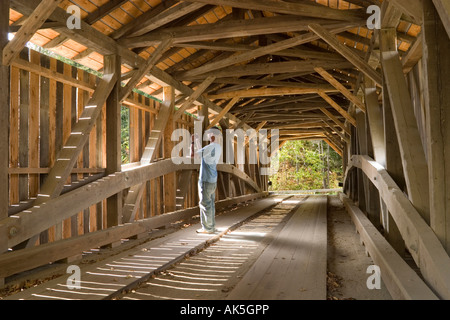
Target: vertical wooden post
(4,123)
(170,180)
(113,141)
(395,168)
(411,149)
(436,67)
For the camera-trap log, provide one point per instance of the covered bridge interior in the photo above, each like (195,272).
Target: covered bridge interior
(368,77)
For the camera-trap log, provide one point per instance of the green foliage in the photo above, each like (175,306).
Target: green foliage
(125,132)
(307,165)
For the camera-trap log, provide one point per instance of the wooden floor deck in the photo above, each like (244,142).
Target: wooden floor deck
(294,265)
(291,267)
(108,278)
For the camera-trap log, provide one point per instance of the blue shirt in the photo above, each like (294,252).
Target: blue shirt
(210,156)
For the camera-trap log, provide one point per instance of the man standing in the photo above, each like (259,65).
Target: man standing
(207,182)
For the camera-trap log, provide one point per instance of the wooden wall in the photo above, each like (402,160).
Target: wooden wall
(47,98)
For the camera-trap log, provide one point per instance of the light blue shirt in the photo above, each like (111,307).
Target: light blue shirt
(210,156)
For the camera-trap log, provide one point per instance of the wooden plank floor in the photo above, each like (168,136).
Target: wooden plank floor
(105,279)
(294,265)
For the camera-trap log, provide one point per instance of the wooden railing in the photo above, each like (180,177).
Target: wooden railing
(24,225)
(425,248)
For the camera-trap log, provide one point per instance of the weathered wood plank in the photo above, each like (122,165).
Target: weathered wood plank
(293,67)
(295,259)
(270,92)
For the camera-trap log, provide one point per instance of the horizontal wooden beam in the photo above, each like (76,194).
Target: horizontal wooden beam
(25,225)
(413,157)
(296,68)
(301,9)
(47,170)
(228,29)
(27,259)
(103,11)
(270,92)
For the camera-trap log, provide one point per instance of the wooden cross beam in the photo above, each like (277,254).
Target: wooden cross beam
(335,83)
(338,108)
(68,156)
(335,120)
(131,203)
(104,10)
(224,111)
(260,51)
(194,96)
(347,53)
(412,8)
(165,17)
(28,29)
(144,69)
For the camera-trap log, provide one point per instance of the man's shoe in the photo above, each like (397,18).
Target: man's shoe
(203,231)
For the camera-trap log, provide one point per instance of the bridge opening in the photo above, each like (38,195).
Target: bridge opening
(307,165)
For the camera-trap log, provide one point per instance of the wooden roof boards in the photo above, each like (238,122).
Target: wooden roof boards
(237,42)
